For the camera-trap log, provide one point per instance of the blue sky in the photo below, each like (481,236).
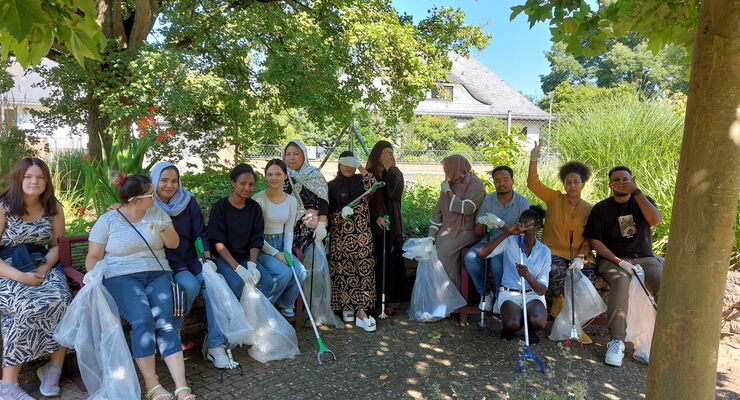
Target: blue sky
(515,53)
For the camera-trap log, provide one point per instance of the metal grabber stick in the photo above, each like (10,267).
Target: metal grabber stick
(527,355)
(482,322)
(573,331)
(322,347)
(383,315)
(373,188)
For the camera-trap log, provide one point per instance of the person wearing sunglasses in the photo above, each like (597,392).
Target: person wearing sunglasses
(131,241)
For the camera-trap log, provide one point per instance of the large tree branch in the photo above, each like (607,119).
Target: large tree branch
(142,24)
(110,19)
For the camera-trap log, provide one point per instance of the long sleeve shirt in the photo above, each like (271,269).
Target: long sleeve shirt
(189,226)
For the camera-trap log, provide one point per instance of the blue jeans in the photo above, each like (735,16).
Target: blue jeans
(144,299)
(236,283)
(284,291)
(474,264)
(192,284)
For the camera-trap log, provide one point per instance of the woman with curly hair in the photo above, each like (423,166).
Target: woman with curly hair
(566,212)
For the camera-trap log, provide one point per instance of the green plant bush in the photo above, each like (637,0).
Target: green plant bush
(212,185)
(417,206)
(15,144)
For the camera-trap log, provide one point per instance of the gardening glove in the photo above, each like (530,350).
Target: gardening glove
(626,266)
(350,161)
(445,185)
(250,275)
(321,232)
(209,264)
(491,221)
(158,225)
(637,268)
(576,264)
(347,211)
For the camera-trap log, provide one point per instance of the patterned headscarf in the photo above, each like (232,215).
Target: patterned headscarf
(308,176)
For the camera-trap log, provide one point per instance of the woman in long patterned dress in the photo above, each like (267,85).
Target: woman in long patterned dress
(33,295)
(351,260)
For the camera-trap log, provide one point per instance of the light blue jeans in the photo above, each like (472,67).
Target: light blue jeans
(285,290)
(474,264)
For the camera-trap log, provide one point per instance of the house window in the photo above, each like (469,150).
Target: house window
(442,92)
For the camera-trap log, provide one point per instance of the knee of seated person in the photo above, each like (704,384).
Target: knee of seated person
(471,256)
(512,324)
(537,322)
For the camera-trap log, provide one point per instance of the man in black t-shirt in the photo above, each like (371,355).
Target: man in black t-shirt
(619,229)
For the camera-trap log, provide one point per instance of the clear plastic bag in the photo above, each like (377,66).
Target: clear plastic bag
(640,321)
(272,337)
(92,326)
(589,305)
(227,311)
(434,296)
(318,279)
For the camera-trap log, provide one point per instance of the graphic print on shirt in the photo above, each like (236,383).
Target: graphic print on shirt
(627,226)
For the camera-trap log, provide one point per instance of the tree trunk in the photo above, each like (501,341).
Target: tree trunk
(683,362)
(96,129)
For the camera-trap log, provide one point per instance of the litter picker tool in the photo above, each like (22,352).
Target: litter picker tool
(573,331)
(373,188)
(322,347)
(383,315)
(527,355)
(482,322)
(644,289)
(232,363)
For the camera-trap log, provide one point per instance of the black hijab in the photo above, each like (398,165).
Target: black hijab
(342,190)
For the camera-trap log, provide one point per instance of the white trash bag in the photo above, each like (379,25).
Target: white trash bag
(227,311)
(321,285)
(640,321)
(589,305)
(272,337)
(92,326)
(434,296)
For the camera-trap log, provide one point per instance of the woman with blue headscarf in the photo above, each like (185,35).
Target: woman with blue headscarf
(187,218)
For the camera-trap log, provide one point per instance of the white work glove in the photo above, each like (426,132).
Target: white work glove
(637,268)
(210,264)
(491,221)
(347,211)
(576,264)
(157,225)
(250,275)
(321,232)
(350,161)
(445,186)
(626,266)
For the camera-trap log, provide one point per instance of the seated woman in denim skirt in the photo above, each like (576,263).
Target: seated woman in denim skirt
(131,241)
(279,211)
(532,263)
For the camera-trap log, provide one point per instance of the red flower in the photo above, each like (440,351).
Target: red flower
(143,120)
(142,133)
(161,137)
(86,158)
(171,132)
(151,118)
(80,211)
(121,179)
(152,108)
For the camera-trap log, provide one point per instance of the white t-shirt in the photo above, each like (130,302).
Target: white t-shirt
(279,219)
(125,251)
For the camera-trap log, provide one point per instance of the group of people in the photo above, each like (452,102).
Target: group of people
(147,244)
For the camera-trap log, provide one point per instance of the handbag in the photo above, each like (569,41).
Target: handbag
(178,295)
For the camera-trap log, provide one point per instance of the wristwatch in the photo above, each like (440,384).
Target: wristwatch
(637,192)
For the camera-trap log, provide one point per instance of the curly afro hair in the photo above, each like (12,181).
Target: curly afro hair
(575,167)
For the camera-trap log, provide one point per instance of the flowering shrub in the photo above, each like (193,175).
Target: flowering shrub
(126,156)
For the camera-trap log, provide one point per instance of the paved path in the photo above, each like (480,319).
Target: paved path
(408,360)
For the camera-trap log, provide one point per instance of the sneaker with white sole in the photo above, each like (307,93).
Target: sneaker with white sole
(49,376)
(218,356)
(368,324)
(13,392)
(486,303)
(614,353)
(288,312)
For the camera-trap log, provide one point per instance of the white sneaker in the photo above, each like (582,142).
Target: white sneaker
(614,353)
(486,304)
(368,324)
(13,392)
(218,356)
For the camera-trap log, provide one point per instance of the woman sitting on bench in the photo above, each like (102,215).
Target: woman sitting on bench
(131,241)
(33,289)
(534,268)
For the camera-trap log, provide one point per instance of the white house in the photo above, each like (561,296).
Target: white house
(472,90)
